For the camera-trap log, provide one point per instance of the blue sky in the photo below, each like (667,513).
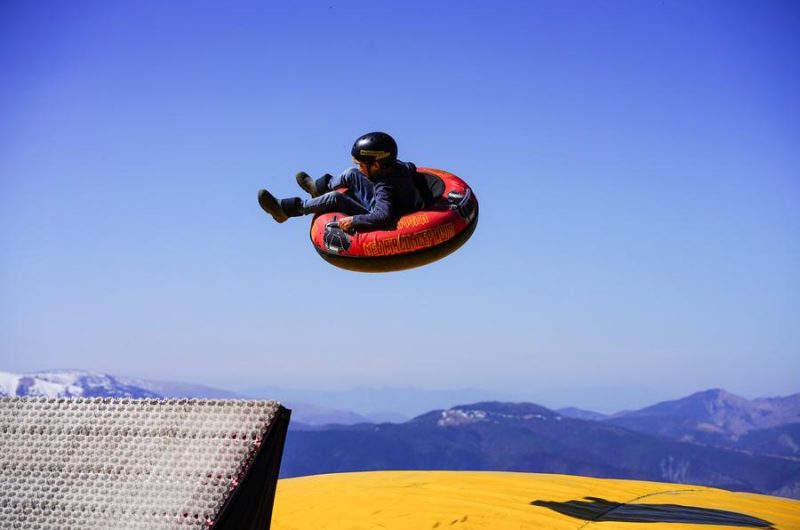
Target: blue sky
(636,165)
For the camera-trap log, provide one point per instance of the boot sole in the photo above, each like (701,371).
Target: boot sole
(306,183)
(270,205)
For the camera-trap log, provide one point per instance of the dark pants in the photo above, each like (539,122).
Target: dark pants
(357,200)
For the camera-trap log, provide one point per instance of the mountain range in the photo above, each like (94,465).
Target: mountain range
(711,437)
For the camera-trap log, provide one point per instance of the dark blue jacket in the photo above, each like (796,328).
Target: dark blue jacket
(395,194)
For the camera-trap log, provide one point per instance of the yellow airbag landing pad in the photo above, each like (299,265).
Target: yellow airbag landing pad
(455,500)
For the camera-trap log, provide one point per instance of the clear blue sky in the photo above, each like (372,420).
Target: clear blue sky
(636,162)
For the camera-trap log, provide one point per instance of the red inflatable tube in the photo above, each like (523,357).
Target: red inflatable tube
(418,238)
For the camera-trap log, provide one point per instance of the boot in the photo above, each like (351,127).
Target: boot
(315,188)
(271,205)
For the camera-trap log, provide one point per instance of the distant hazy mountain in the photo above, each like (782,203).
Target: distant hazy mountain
(580,414)
(530,438)
(711,416)
(313,415)
(172,389)
(382,404)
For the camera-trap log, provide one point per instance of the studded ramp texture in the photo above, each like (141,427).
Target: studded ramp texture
(138,464)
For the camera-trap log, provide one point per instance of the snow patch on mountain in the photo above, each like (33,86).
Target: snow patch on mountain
(8,384)
(460,417)
(31,385)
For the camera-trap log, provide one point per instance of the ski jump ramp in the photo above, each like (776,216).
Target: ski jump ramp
(139,464)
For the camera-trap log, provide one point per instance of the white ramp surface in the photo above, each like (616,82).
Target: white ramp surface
(138,464)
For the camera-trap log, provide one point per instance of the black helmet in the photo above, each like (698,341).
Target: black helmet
(375,146)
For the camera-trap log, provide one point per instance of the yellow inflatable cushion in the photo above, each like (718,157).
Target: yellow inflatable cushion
(454,500)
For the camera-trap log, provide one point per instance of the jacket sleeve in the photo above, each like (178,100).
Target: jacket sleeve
(380,215)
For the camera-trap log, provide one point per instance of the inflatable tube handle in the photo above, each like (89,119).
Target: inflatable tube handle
(464,206)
